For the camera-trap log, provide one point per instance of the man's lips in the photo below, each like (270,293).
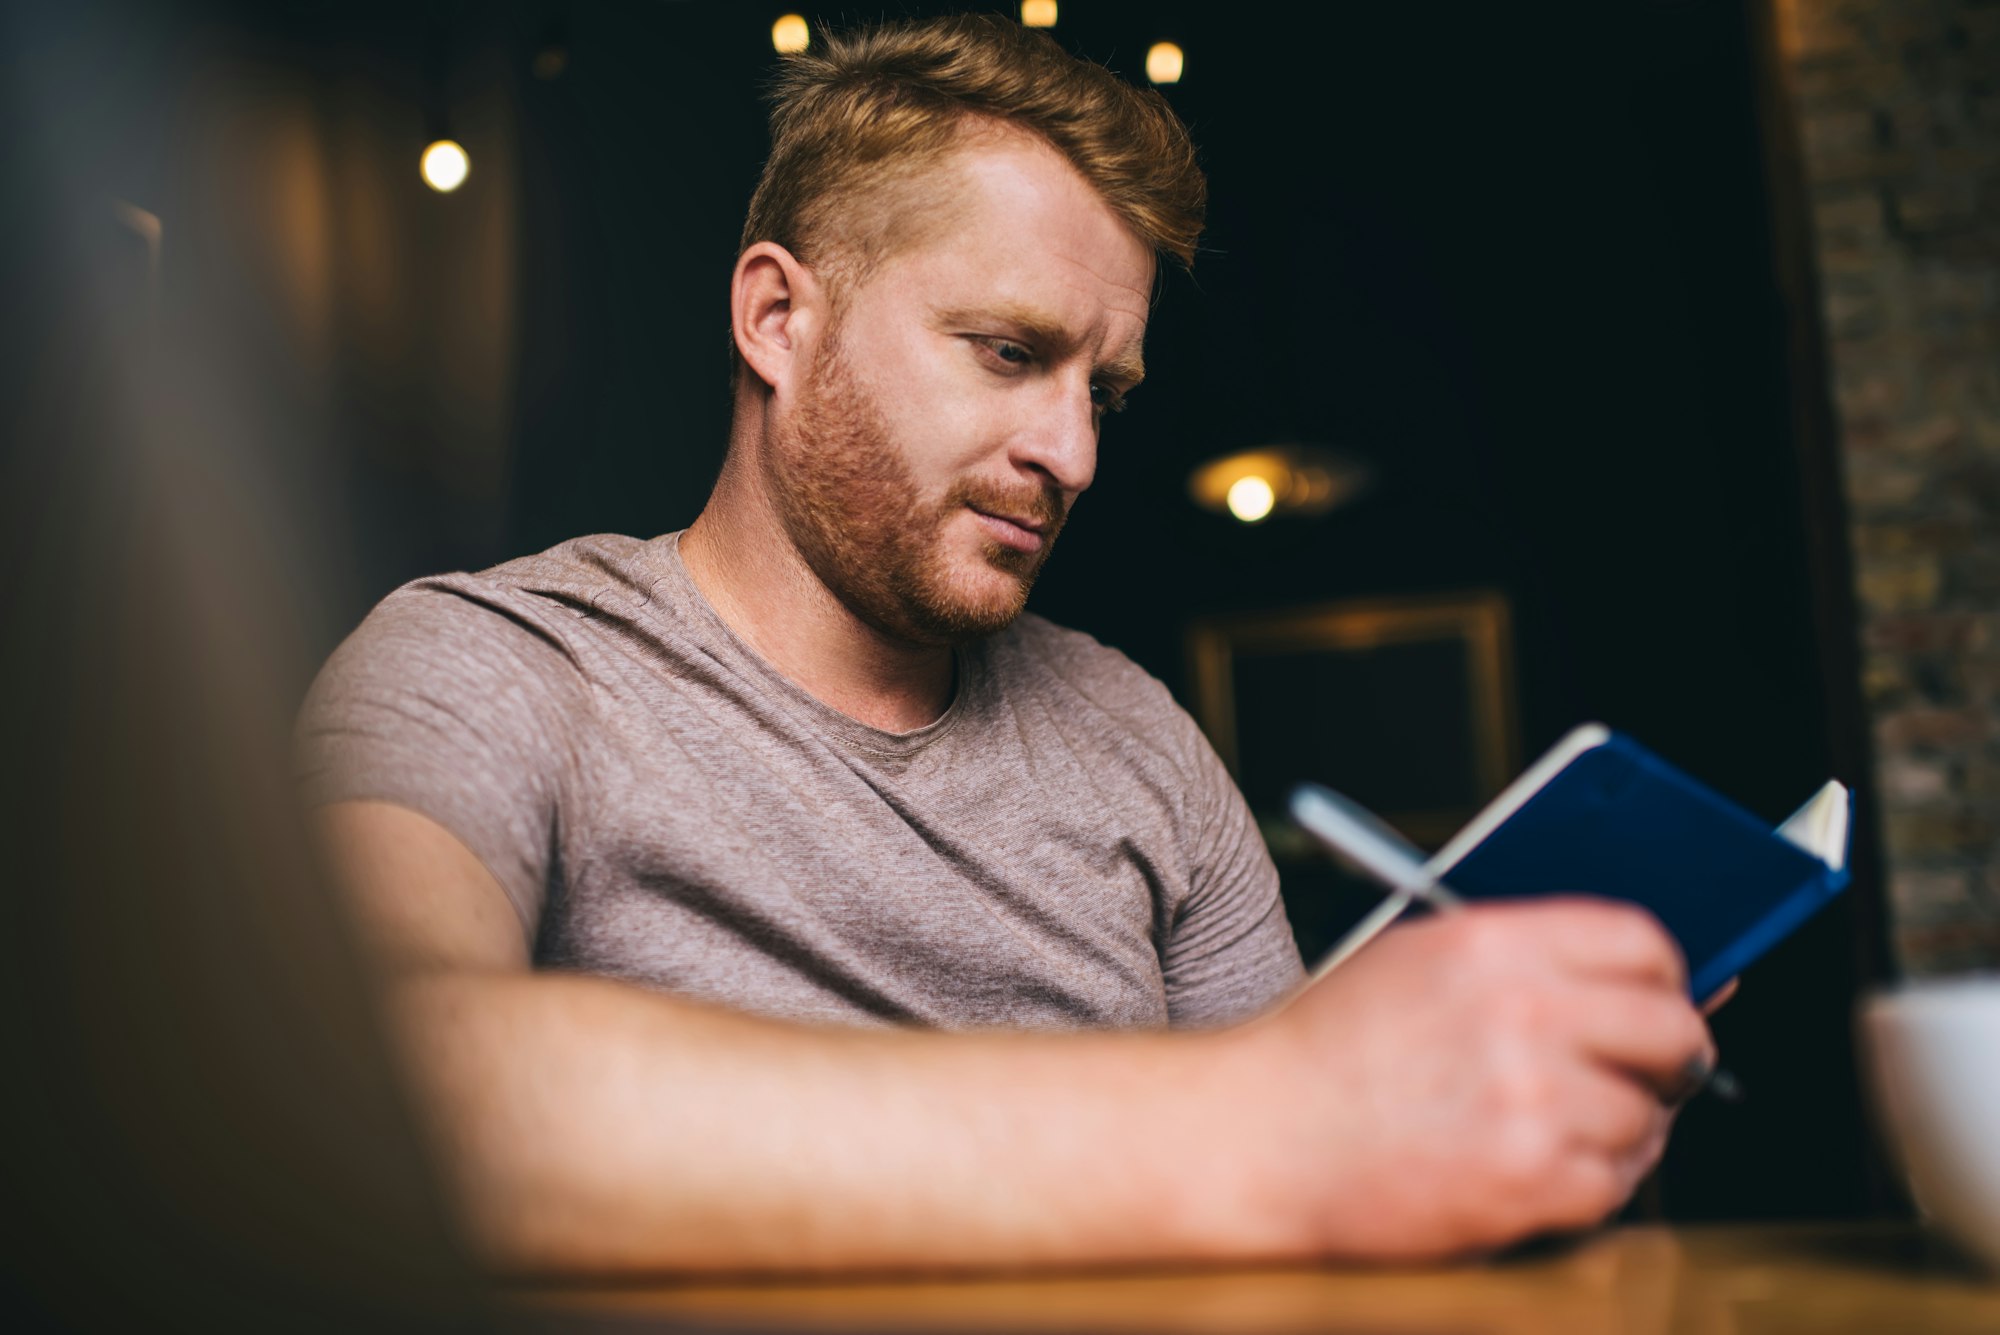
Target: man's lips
(1021,532)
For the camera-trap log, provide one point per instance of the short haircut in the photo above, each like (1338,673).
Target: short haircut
(858,121)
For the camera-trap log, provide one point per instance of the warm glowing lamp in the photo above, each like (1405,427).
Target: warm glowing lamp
(1250,498)
(1253,485)
(1164,62)
(1038,13)
(790,35)
(445,166)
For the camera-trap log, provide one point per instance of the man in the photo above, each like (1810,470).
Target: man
(879,924)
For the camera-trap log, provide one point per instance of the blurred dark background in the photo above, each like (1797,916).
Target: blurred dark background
(1539,268)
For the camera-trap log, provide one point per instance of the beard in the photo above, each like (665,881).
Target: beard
(855,514)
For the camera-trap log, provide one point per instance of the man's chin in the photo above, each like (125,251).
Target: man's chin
(971,609)
(961,623)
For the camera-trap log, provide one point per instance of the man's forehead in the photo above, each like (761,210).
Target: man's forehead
(1019,233)
(984,170)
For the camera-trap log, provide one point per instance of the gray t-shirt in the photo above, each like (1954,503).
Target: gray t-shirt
(1061,849)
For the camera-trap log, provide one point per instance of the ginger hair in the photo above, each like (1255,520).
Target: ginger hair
(861,121)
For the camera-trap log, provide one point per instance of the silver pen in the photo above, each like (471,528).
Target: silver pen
(1362,838)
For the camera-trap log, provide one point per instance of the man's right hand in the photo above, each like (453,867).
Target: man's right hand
(1480,1077)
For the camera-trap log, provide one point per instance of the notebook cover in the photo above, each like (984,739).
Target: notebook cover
(1620,822)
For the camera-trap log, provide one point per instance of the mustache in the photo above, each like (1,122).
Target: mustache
(1045,504)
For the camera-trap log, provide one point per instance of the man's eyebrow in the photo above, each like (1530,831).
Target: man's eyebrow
(1127,368)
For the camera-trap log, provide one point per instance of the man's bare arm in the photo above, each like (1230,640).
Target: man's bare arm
(1459,1085)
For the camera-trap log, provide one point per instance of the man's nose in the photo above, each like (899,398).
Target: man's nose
(1063,441)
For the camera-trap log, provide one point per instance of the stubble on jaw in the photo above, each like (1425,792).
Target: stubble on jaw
(860,522)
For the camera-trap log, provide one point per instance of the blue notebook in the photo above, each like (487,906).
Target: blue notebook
(1600,814)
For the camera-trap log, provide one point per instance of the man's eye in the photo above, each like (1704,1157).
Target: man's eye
(1106,399)
(1012,353)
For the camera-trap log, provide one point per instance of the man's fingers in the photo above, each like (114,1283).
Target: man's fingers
(1612,1113)
(1617,1126)
(1583,1191)
(1650,1035)
(1601,937)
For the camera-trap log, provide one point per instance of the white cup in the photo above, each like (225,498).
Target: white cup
(1933,1052)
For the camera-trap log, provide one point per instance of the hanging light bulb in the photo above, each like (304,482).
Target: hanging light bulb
(1164,62)
(1038,13)
(445,166)
(790,35)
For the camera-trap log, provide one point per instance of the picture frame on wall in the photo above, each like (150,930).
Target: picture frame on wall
(1406,704)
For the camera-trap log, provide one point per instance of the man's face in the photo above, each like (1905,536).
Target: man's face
(950,418)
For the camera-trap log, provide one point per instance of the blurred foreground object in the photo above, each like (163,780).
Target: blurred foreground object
(204,1130)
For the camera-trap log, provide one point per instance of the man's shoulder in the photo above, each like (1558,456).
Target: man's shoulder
(1036,650)
(584,570)
(536,609)
(599,575)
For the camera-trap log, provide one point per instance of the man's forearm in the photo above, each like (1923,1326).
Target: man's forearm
(594,1126)
(1462,1083)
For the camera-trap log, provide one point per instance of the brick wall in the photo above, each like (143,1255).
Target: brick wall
(1898,106)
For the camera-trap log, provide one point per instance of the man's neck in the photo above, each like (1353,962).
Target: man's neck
(740,559)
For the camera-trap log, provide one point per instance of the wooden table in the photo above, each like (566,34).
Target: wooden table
(1882,1279)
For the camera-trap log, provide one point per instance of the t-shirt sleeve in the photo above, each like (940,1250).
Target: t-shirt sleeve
(1229,953)
(463,704)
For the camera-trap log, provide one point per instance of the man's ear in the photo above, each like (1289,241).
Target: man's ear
(776,309)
